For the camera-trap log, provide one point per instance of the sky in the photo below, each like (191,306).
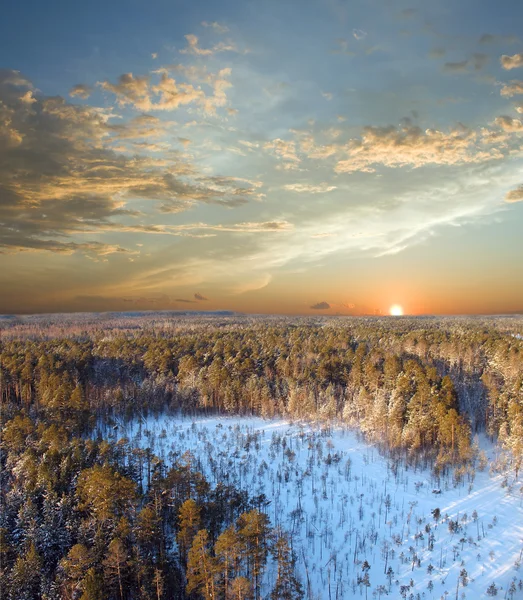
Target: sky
(290,157)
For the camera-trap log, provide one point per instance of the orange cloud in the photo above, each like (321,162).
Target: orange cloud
(511,62)
(515,195)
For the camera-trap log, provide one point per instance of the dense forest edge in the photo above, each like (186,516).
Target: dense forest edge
(78,517)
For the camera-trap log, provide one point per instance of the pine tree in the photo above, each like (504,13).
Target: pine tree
(202,568)
(228,553)
(253,530)
(241,589)
(75,566)
(148,530)
(116,565)
(287,585)
(25,576)
(189,522)
(92,586)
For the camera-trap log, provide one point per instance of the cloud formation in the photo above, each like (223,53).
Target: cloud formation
(200,298)
(411,146)
(489,38)
(514,88)
(194,48)
(477,61)
(148,93)
(308,188)
(284,150)
(60,176)
(515,195)
(218,27)
(509,124)
(321,306)
(512,62)
(81,91)
(248,227)
(359,34)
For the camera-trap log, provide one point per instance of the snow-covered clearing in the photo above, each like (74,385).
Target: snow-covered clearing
(344,504)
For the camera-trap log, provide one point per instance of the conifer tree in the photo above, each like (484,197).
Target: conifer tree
(287,585)
(254,530)
(202,568)
(228,553)
(189,522)
(116,566)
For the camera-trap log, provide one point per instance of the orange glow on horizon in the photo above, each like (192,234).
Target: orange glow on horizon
(396,310)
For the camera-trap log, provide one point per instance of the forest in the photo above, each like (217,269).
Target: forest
(86,515)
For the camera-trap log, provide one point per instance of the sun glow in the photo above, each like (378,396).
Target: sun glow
(396,310)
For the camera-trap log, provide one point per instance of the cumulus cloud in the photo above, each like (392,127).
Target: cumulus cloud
(514,88)
(142,126)
(412,146)
(200,298)
(130,90)
(167,94)
(285,150)
(61,179)
(321,306)
(81,90)
(306,188)
(509,124)
(512,62)
(515,195)
(139,93)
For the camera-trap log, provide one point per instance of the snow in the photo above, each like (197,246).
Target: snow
(336,510)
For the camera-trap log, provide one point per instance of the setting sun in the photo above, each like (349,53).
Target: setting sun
(396,310)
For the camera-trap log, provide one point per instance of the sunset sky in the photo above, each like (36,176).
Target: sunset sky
(306,157)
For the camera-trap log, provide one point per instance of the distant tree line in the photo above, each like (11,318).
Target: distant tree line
(412,386)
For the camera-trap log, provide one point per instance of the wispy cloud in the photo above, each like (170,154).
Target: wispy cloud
(489,38)
(193,47)
(475,63)
(81,91)
(359,34)
(307,188)
(261,227)
(218,27)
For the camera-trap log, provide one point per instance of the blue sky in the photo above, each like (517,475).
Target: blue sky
(266,156)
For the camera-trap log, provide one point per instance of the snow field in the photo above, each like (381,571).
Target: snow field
(343,504)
